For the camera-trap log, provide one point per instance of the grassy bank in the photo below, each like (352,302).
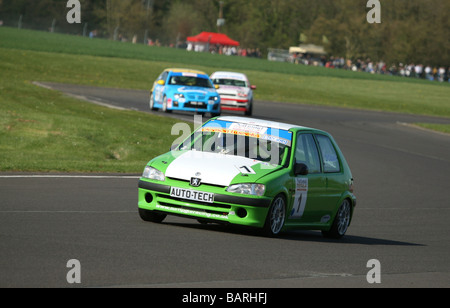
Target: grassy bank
(43,130)
(76,45)
(405,97)
(443,128)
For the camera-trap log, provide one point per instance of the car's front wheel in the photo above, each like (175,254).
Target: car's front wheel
(152,103)
(275,217)
(164,107)
(341,221)
(151,216)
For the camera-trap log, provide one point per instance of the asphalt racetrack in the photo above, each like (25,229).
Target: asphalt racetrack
(402,218)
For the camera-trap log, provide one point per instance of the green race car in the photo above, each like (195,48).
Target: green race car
(258,173)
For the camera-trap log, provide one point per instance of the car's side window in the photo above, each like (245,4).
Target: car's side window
(329,155)
(306,152)
(163,76)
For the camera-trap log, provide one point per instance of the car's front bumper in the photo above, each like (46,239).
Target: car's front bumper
(232,103)
(226,208)
(200,106)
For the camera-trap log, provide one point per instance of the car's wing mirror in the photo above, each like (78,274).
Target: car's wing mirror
(253,87)
(161,82)
(300,169)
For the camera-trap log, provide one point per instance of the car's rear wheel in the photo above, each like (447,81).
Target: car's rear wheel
(275,217)
(151,216)
(249,110)
(341,221)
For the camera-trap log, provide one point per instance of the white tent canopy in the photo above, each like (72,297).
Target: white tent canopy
(308,48)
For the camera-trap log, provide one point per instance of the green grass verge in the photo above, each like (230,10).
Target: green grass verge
(443,128)
(42,130)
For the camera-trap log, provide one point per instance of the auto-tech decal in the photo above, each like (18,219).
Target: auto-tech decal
(301,194)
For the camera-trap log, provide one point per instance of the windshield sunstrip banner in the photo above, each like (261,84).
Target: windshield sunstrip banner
(249,130)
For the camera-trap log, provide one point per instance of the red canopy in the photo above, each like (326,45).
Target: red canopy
(213,38)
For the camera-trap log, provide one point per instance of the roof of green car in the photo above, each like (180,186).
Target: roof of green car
(265,123)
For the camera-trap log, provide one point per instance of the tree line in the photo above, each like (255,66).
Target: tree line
(411,31)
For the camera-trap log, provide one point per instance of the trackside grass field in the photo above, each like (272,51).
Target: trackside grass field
(42,130)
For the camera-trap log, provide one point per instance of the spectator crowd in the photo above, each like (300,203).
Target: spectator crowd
(225,50)
(432,73)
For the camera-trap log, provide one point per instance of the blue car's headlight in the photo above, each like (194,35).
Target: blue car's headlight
(247,189)
(213,99)
(153,174)
(178,96)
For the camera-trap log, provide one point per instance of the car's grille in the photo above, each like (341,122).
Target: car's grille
(196,97)
(192,202)
(193,209)
(199,105)
(191,205)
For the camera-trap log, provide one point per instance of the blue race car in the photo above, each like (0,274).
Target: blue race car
(185,90)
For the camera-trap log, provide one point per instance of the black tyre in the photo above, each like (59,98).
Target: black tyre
(152,103)
(151,216)
(164,107)
(249,110)
(275,217)
(341,221)
(202,221)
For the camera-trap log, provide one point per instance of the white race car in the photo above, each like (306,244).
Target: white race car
(236,92)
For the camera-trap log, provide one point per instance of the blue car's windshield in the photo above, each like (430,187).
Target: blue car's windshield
(190,81)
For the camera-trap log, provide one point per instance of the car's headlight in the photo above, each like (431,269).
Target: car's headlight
(178,96)
(213,99)
(153,174)
(247,189)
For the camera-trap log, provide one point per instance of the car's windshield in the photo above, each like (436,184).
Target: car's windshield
(229,82)
(190,81)
(252,141)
